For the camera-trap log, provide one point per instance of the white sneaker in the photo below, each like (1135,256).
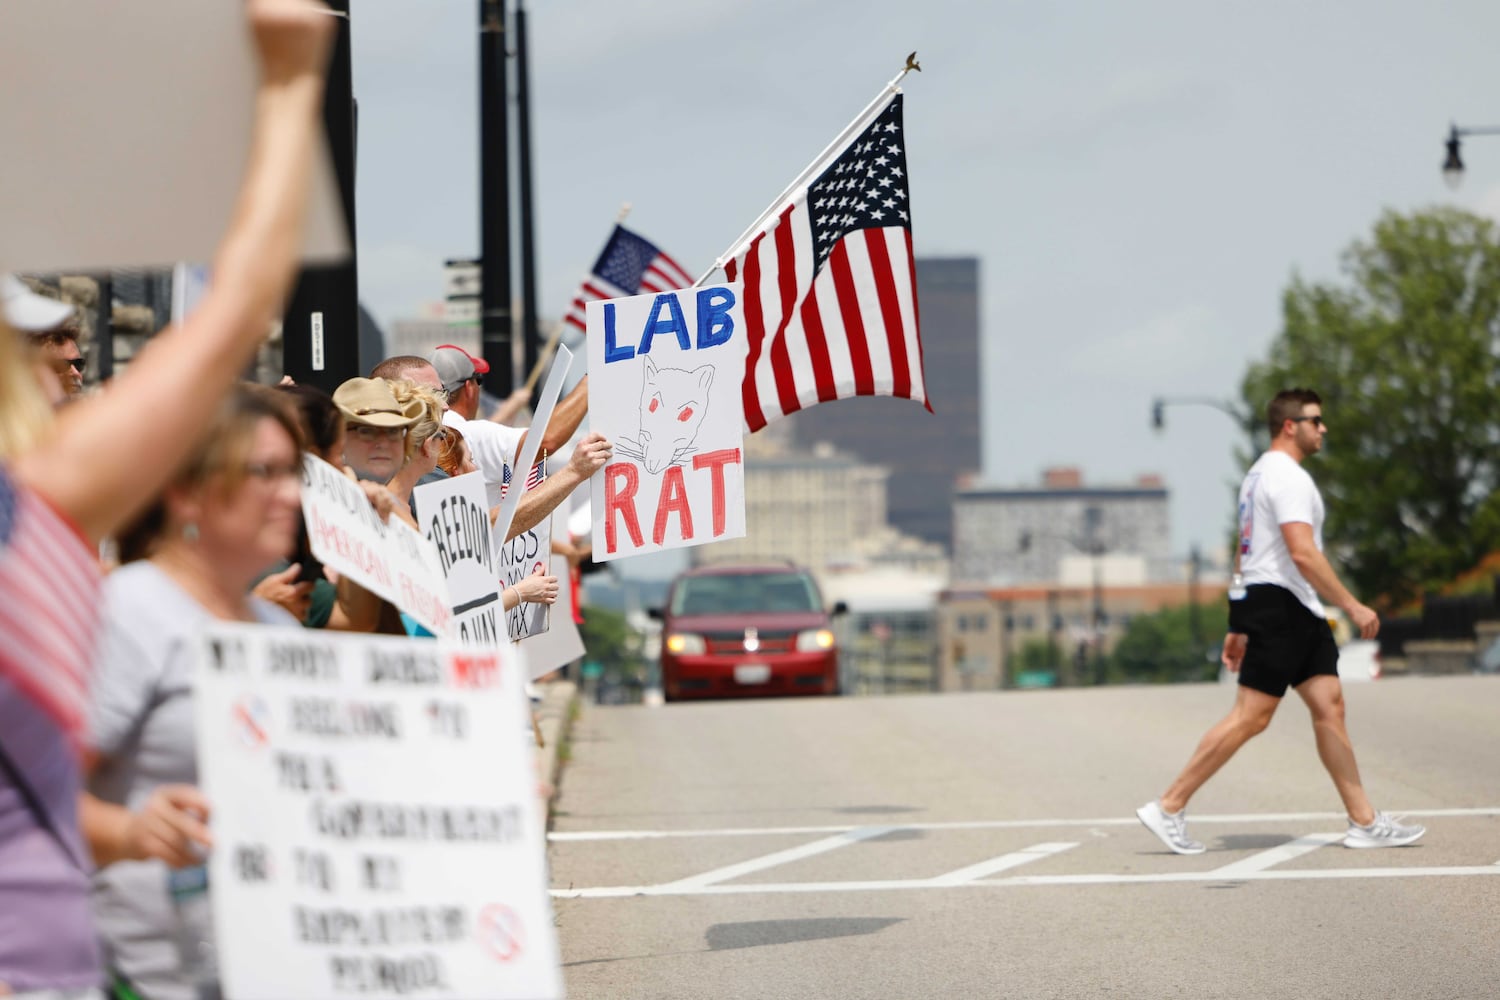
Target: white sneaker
(1170,828)
(1383,832)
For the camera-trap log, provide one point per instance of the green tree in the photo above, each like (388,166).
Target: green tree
(1161,648)
(1406,356)
(611,642)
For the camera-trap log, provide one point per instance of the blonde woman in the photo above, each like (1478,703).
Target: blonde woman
(66,485)
(424,439)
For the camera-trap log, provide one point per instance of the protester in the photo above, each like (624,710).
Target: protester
(188,560)
(375,427)
(1280,636)
(50,325)
(454,458)
(65,484)
(424,440)
(303,586)
(495,447)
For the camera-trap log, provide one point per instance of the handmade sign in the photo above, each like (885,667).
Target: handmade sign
(149,186)
(665,371)
(456,524)
(388,558)
(377,830)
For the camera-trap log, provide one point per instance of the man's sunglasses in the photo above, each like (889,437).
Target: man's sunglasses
(1316,421)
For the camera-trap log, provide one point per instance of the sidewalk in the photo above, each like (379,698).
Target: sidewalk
(553,714)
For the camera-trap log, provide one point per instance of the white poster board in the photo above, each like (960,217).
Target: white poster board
(127,131)
(665,372)
(560,644)
(376,820)
(456,523)
(388,558)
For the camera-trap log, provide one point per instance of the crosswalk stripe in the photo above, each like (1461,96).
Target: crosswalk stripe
(1003,863)
(1276,855)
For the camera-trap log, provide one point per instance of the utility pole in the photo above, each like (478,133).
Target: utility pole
(495,321)
(531,344)
(320,329)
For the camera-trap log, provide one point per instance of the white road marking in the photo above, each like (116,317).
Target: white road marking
(571,836)
(779,858)
(1003,863)
(1276,855)
(772,888)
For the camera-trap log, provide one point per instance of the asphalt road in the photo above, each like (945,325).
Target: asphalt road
(985,845)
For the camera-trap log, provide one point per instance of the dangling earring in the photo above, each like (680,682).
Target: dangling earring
(190,532)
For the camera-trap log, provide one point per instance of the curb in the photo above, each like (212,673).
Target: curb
(554,714)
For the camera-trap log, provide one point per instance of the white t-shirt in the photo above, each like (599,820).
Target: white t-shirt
(1277,491)
(493,448)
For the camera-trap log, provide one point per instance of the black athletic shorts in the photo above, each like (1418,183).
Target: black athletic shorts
(1287,643)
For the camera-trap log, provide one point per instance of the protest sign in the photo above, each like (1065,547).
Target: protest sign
(377,830)
(388,558)
(527,553)
(666,370)
(456,523)
(167,88)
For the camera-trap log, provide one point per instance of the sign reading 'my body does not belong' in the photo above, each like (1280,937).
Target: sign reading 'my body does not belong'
(376,823)
(665,370)
(388,558)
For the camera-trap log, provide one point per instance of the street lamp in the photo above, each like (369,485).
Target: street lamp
(1453,163)
(1160,403)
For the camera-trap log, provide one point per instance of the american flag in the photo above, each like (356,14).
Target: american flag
(830,295)
(537,474)
(49,596)
(628,265)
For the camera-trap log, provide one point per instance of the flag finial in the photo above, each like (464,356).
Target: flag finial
(912,64)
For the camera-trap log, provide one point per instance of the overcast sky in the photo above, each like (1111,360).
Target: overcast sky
(1138,180)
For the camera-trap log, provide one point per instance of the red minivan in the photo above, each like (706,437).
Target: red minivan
(730,631)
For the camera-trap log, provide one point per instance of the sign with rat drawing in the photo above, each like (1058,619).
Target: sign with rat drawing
(664,386)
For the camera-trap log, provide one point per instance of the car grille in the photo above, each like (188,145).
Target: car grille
(733,643)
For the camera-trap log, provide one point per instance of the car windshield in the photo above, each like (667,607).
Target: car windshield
(734,593)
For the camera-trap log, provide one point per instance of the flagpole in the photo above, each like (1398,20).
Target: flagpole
(843,137)
(557,326)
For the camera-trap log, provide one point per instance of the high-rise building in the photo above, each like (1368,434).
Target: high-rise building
(926,452)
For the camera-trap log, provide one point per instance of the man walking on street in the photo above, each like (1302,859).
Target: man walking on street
(1279,634)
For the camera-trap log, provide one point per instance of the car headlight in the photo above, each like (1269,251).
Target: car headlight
(686,644)
(814,640)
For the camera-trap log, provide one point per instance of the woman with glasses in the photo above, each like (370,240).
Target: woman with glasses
(69,481)
(189,560)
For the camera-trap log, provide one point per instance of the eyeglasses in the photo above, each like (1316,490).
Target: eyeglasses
(1316,421)
(369,432)
(270,473)
(77,364)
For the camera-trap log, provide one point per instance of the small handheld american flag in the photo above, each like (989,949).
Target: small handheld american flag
(628,265)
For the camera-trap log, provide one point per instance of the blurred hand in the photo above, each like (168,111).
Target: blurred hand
(1365,619)
(591,454)
(282,588)
(538,588)
(382,499)
(1234,651)
(292,38)
(171,826)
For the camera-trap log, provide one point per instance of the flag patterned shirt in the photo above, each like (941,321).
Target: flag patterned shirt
(49,610)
